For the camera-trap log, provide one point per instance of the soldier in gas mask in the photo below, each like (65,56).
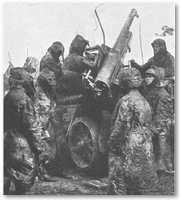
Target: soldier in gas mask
(51,59)
(22,133)
(76,61)
(75,64)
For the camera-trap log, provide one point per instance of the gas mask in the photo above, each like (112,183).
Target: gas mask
(49,76)
(19,76)
(57,50)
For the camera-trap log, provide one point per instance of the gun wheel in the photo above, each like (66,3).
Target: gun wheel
(83,142)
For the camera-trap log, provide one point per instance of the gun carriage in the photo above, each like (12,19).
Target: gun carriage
(88,124)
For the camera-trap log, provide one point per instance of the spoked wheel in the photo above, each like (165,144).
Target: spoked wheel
(83,142)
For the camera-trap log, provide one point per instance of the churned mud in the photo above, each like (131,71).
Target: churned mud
(79,183)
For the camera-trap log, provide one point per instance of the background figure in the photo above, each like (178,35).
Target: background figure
(162,112)
(22,132)
(32,66)
(131,160)
(51,59)
(6,78)
(45,104)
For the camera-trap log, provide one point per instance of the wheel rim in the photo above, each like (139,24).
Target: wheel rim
(81,145)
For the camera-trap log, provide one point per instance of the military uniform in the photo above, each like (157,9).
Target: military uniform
(162,111)
(51,59)
(22,132)
(45,105)
(74,66)
(161,59)
(131,159)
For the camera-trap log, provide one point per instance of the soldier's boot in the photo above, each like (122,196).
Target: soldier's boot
(164,161)
(117,184)
(117,187)
(43,174)
(22,189)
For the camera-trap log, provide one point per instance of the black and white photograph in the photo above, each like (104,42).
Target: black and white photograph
(89,98)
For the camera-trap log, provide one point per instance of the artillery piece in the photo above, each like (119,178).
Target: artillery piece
(89,128)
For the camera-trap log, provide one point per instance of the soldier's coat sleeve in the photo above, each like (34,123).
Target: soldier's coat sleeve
(164,110)
(32,125)
(121,126)
(43,108)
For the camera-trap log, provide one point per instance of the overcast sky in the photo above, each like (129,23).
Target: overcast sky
(30,28)
(35,25)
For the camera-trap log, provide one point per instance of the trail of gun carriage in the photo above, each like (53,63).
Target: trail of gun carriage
(87,125)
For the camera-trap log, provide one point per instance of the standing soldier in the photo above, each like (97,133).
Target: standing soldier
(162,112)
(131,159)
(22,133)
(74,66)
(75,61)
(51,59)
(69,91)
(45,104)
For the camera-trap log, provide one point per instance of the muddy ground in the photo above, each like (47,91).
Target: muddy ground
(79,183)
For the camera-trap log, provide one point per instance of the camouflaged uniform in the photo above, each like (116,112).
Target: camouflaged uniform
(32,65)
(162,111)
(45,105)
(22,132)
(131,159)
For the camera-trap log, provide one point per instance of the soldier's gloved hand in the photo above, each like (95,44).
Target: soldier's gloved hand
(100,53)
(133,63)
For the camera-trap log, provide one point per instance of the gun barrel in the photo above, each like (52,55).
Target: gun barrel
(116,54)
(124,32)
